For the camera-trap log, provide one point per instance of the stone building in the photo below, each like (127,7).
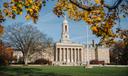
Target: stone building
(70,53)
(67,52)
(102,54)
(46,54)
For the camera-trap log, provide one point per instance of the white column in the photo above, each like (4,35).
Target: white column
(64,54)
(81,52)
(71,55)
(75,55)
(56,58)
(78,55)
(81,55)
(60,55)
(67,55)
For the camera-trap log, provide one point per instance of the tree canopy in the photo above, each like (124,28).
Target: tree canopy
(16,7)
(99,14)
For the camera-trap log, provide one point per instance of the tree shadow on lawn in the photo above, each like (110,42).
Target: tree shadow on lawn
(14,71)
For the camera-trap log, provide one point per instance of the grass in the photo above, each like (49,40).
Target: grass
(62,71)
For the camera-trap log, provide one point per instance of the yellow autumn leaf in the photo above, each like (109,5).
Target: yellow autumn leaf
(30,1)
(6,5)
(20,5)
(14,7)
(27,17)
(12,1)
(98,1)
(21,13)
(70,5)
(98,18)
(94,28)
(27,3)
(1,30)
(5,10)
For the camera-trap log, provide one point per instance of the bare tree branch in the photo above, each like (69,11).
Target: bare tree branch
(26,38)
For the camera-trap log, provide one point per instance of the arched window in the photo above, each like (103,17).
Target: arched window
(66,28)
(66,36)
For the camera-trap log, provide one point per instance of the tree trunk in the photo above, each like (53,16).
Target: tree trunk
(26,61)
(26,57)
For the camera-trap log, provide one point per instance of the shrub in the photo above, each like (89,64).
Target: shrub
(97,62)
(6,54)
(43,61)
(3,61)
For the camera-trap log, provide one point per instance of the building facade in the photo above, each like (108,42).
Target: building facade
(70,53)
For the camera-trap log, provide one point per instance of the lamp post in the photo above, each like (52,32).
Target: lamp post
(87,50)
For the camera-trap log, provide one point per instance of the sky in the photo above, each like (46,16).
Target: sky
(51,25)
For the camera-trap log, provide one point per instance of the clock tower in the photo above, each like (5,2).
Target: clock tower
(65,31)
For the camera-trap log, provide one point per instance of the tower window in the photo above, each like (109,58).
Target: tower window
(66,36)
(66,28)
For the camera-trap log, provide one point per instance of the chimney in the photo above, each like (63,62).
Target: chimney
(93,43)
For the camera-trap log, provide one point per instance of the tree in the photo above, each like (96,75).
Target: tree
(25,38)
(16,7)
(119,51)
(6,54)
(97,13)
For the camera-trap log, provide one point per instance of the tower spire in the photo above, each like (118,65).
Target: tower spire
(65,20)
(64,17)
(65,31)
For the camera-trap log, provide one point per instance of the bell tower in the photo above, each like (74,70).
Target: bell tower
(65,31)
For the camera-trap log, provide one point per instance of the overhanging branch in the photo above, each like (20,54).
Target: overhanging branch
(115,5)
(84,7)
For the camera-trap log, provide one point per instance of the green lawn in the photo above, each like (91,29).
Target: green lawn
(62,71)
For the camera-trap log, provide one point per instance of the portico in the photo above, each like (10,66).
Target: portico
(71,54)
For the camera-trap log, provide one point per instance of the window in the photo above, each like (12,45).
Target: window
(66,36)
(66,28)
